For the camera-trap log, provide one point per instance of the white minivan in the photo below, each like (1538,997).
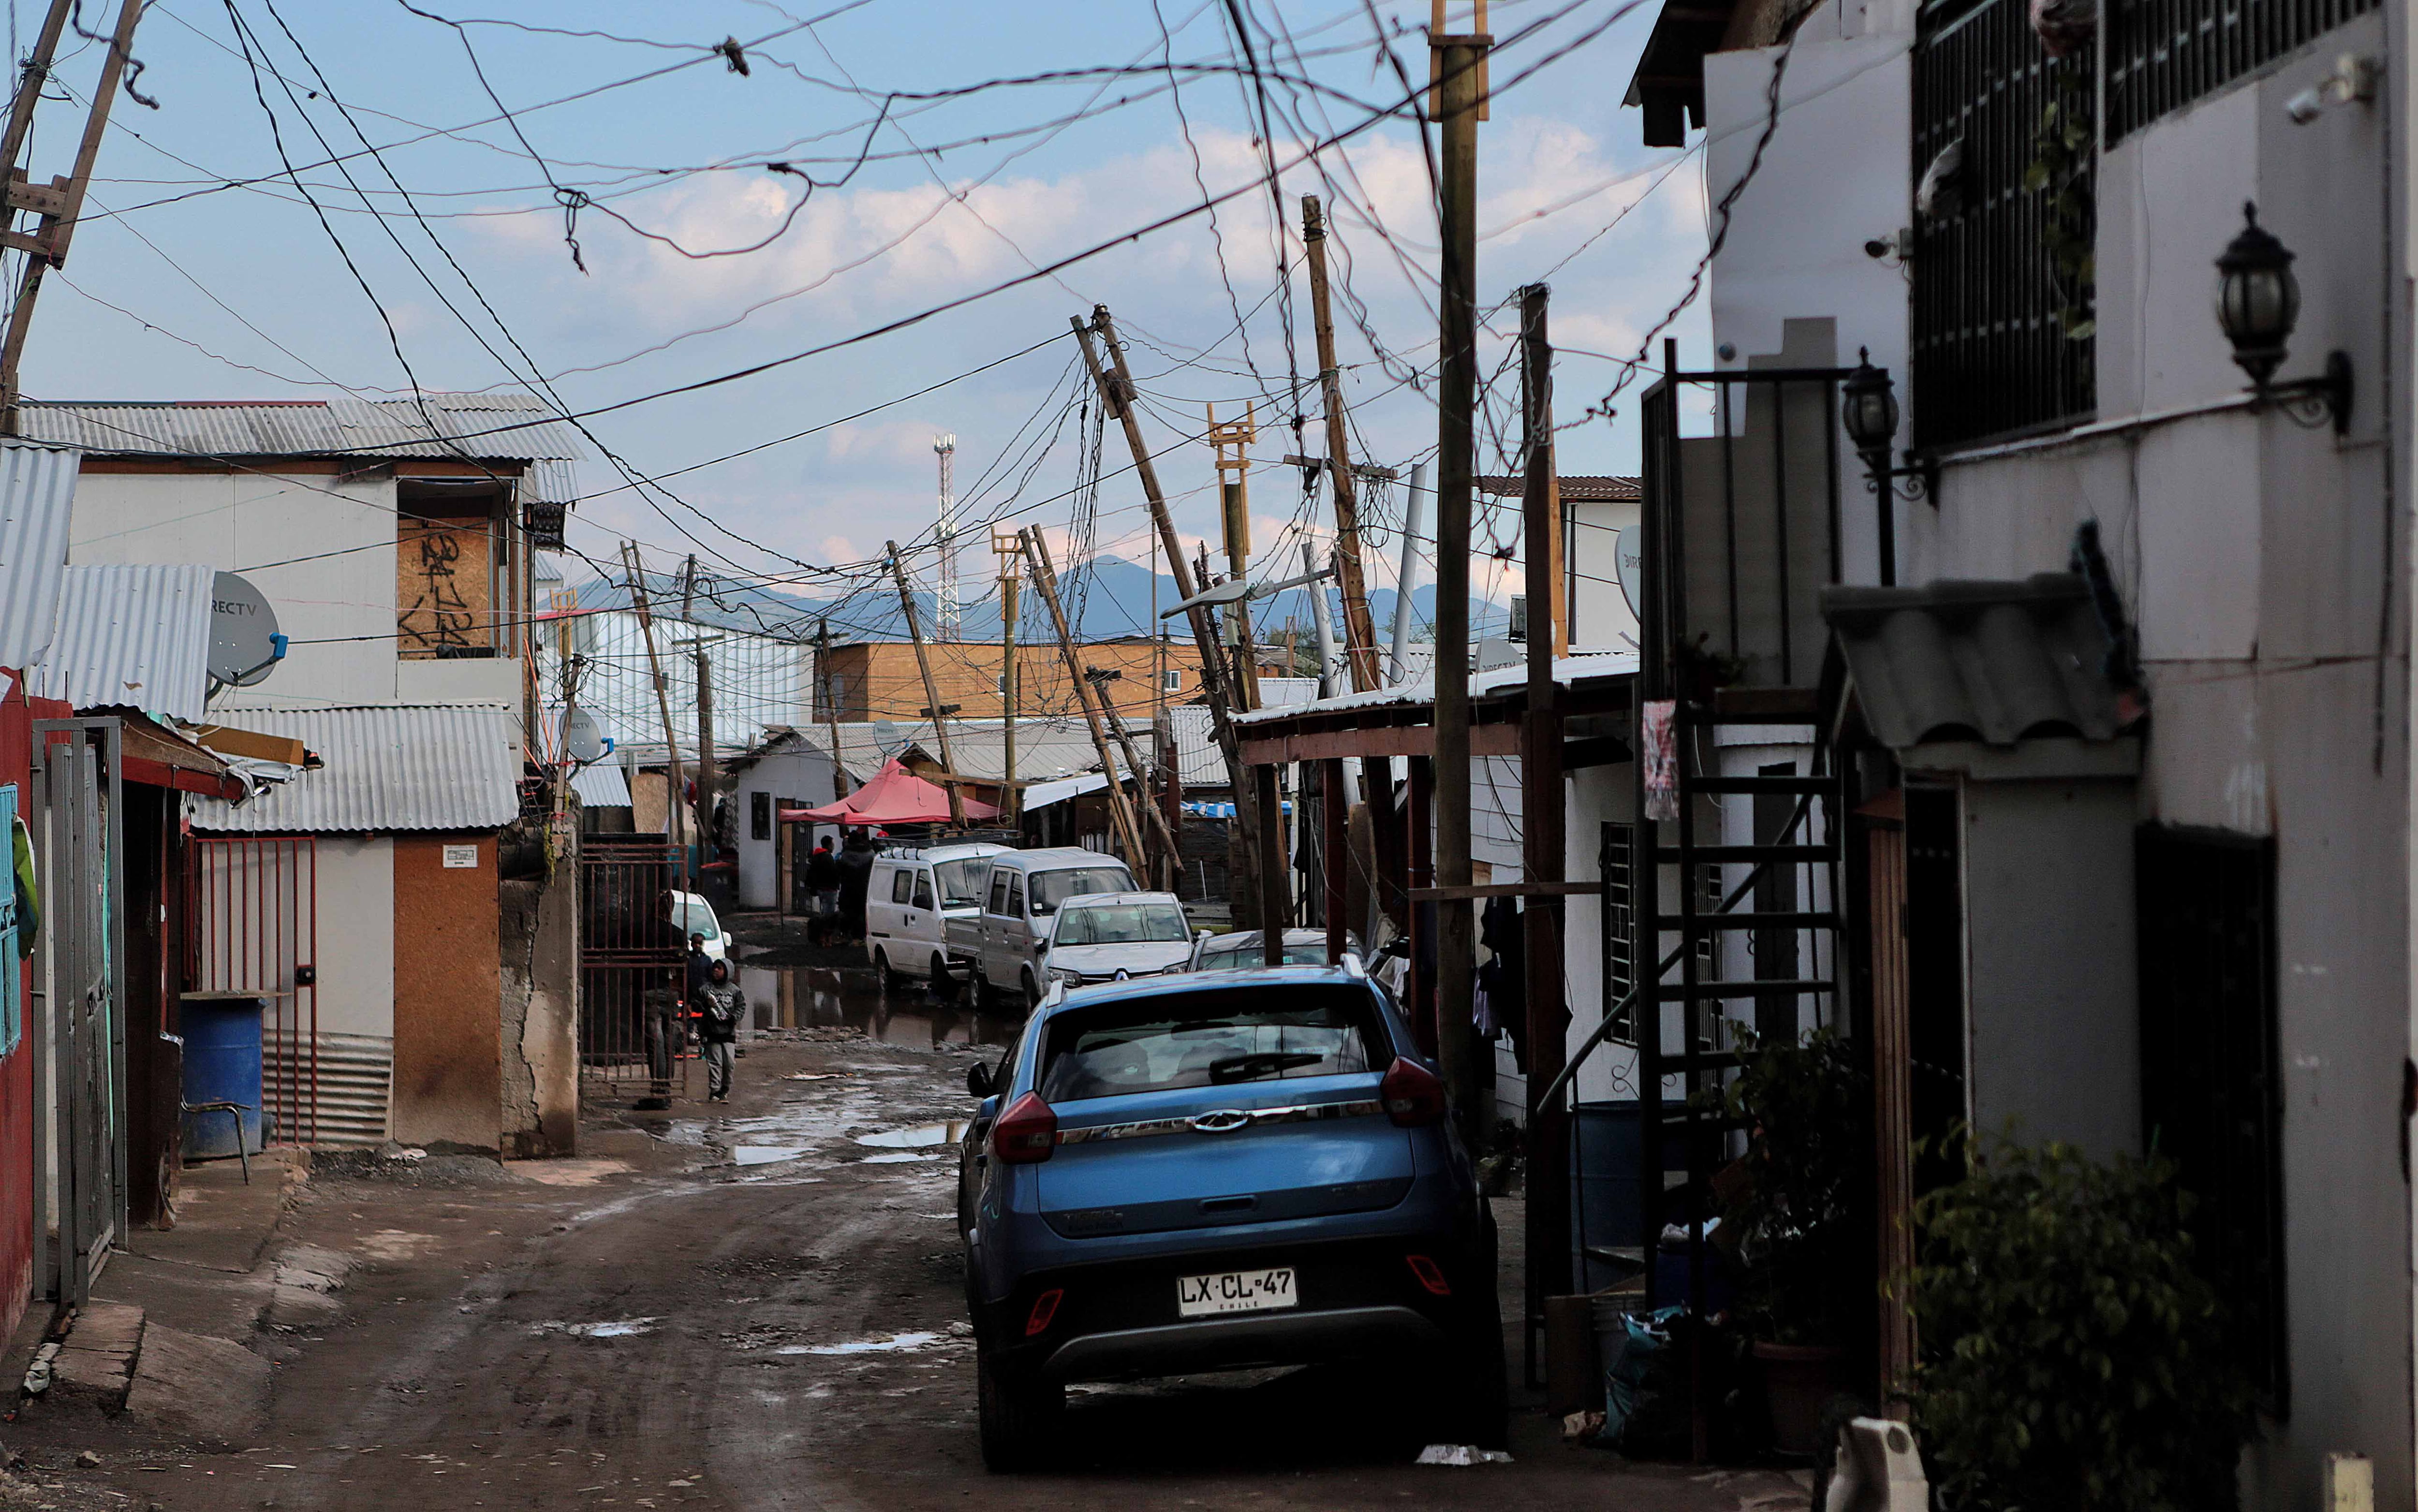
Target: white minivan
(909,898)
(1001,944)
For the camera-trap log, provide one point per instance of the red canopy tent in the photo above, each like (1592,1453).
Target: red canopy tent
(894,795)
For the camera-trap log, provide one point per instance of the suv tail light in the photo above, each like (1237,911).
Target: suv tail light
(1411,1094)
(1027,1132)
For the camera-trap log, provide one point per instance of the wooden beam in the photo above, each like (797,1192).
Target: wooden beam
(252,745)
(1384,741)
(1505,890)
(1594,751)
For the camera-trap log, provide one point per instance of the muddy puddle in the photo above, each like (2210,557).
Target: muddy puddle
(822,997)
(922,1136)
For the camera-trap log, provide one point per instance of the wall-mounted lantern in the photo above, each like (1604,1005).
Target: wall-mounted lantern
(1868,410)
(2257,303)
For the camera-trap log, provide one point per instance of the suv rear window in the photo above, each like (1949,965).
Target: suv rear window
(1210,1039)
(1051,888)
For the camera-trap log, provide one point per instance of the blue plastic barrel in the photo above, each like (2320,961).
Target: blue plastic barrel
(221,1065)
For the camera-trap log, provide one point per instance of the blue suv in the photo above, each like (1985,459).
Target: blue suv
(1214,1171)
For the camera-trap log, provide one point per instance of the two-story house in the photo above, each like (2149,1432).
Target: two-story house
(393,540)
(2129,769)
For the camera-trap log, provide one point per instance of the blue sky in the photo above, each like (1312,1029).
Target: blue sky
(225,292)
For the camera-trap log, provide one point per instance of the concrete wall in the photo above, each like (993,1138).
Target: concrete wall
(539,929)
(2259,561)
(356,922)
(1795,243)
(448,1029)
(1595,796)
(1600,618)
(234,521)
(800,775)
(880,680)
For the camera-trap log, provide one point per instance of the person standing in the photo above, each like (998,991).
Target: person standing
(720,1008)
(698,967)
(855,877)
(822,880)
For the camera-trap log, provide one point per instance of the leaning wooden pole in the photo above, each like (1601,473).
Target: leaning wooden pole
(1115,384)
(677,783)
(938,714)
(1359,629)
(1044,580)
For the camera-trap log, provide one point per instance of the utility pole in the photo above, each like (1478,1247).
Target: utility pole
(1402,578)
(708,770)
(1541,804)
(1007,550)
(945,447)
(1234,505)
(1114,385)
(1099,678)
(675,780)
(58,204)
(936,712)
(1458,59)
(830,700)
(1360,631)
(1045,577)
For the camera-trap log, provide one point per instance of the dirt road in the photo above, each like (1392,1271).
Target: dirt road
(758,1306)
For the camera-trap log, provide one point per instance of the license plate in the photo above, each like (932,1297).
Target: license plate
(1198,1296)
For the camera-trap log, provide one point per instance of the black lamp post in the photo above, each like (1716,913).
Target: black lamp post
(1868,410)
(2257,303)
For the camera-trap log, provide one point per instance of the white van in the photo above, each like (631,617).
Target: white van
(1001,946)
(909,899)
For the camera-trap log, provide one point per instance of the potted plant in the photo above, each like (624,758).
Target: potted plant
(1793,1214)
(2072,1356)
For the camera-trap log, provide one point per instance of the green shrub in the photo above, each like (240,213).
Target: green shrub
(2072,1358)
(1794,1207)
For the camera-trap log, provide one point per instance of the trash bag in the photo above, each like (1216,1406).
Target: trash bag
(1645,1413)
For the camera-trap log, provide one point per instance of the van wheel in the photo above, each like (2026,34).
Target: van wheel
(986,996)
(1020,1417)
(1032,990)
(942,985)
(891,980)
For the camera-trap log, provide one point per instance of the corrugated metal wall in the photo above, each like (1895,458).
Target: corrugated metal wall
(37,504)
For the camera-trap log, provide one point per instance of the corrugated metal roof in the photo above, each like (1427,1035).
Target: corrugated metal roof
(545,567)
(602,785)
(551,481)
(37,505)
(508,427)
(1993,662)
(1576,487)
(132,637)
(391,766)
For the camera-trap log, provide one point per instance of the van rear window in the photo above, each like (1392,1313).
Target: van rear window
(1211,1039)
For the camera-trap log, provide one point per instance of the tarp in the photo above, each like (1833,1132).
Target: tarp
(893,796)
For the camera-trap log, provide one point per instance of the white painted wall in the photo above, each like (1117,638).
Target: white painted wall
(1833,177)
(238,522)
(357,943)
(802,773)
(1600,618)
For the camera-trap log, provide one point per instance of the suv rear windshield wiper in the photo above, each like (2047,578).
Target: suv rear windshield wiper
(1263,1064)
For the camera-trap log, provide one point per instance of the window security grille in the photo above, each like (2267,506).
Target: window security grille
(2162,55)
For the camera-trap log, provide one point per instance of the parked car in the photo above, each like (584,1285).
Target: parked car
(693,915)
(1108,937)
(999,946)
(908,900)
(1243,948)
(1181,1174)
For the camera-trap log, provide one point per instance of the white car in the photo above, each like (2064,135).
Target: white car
(910,899)
(693,915)
(1113,937)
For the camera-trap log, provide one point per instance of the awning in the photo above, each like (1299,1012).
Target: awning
(1218,811)
(1043,794)
(1980,665)
(158,756)
(395,766)
(601,784)
(893,796)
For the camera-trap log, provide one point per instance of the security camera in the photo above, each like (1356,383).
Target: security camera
(2307,105)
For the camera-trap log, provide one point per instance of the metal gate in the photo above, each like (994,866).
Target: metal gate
(255,903)
(628,949)
(79,1034)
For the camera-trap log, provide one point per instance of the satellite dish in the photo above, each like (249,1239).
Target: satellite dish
(1628,565)
(581,738)
(245,646)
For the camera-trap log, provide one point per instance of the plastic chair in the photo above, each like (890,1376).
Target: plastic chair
(236,1111)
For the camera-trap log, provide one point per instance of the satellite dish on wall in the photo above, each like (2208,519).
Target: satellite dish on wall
(245,646)
(1628,565)
(581,738)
